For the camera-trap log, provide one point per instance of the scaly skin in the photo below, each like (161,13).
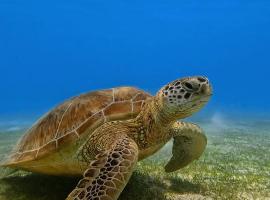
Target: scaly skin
(109,172)
(113,149)
(188,145)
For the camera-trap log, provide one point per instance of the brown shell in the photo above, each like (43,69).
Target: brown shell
(75,118)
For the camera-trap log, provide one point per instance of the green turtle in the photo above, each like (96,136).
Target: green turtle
(101,135)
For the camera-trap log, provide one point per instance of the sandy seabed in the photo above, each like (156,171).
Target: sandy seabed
(235,165)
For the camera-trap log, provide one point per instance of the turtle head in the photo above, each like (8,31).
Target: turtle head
(183,97)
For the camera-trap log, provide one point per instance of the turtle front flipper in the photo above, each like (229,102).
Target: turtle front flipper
(107,176)
(189,143)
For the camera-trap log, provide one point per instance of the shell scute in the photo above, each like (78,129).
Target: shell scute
(137,106)
(125,93)
(51,146)
(72,136)
(91,122)
(139,97)
(118,108)
(26,155)
(75,118)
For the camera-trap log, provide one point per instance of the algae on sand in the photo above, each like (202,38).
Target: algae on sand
(235,165)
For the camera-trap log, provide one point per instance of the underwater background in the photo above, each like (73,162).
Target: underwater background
(53,50)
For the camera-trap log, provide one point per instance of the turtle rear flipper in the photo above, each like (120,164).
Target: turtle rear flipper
(107,176)
(5,172)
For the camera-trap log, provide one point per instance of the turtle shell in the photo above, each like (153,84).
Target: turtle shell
(76,118)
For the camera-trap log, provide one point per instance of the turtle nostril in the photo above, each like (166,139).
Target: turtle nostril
(188,85)
(201,79)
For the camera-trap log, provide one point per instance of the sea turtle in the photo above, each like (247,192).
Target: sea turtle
(101,135)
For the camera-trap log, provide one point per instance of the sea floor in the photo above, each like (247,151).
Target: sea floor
(235,165)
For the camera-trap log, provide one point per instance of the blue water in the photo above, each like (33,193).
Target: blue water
(51,50)
(54,49)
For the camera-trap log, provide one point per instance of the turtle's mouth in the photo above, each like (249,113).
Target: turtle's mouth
(195,104)
(204,98)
